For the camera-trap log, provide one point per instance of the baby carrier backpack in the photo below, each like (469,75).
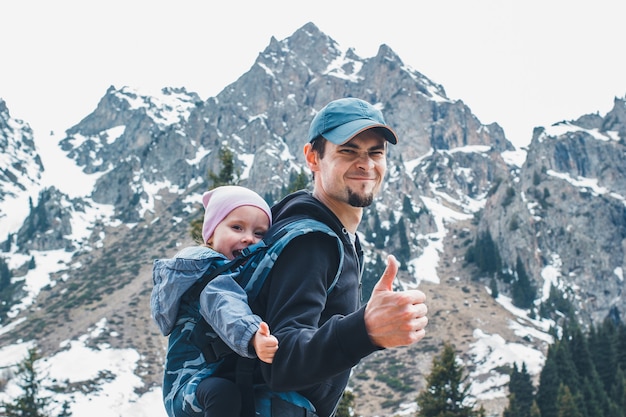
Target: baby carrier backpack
(253,267)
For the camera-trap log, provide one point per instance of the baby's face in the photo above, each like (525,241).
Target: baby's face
(242,227)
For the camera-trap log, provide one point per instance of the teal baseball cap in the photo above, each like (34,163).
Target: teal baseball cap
(342,119)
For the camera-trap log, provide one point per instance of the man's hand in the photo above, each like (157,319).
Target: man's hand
(395,318)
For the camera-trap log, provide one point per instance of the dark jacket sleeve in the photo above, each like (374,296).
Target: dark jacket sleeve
(319,337)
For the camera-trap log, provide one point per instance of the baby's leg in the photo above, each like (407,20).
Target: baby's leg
(219,397)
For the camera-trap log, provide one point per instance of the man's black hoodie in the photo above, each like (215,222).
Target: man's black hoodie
(321,337)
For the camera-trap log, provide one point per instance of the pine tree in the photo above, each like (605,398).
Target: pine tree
(404,251)
(228,175)
(8,243)
(595,398)
(447,390)
(534,410)
(297,182)
(377,235)
(565,366)
(346,405)
(30,403)
(580,353)
(548,387)
(573,362)
(513,409)
(523,292)
(5,275)
(493,287)
(604,354)
(520,393)
(65,410)
(407,209)
(620,346)
(6,289)
(41,211)
(30,229)
(618,395)
(371,274)
(484,253)
(566,403)
(557,306)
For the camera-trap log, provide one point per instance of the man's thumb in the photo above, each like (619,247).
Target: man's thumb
(264,329)
(385,283)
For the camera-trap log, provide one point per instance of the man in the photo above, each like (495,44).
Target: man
(322,334)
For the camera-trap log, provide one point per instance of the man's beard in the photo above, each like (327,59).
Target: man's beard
(356,200)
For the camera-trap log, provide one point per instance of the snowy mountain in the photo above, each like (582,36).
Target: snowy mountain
(83,214)
(21,164)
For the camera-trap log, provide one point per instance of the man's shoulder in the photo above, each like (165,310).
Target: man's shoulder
(309,212)
(302,228)
(312,242)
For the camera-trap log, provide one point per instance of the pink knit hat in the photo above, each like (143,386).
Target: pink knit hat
(220,201)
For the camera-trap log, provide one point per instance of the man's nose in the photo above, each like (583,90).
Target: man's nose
(365,160)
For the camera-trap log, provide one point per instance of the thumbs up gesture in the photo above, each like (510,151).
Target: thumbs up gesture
(265,345)
(395,318)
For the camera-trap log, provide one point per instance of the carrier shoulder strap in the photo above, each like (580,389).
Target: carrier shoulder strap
(259,267)
(252,278)
(194,291)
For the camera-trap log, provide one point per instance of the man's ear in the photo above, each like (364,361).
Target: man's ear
(311,157)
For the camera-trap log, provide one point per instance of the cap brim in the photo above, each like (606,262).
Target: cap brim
(347,131)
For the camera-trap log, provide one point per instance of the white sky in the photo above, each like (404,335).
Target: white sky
(519,63)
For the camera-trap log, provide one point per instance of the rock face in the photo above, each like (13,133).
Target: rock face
(564,214)
(20,164)
(558,220)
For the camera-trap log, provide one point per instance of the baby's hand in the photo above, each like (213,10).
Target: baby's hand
(265,345)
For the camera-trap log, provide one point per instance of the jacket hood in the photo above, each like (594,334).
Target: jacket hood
(173,277)
(303,203)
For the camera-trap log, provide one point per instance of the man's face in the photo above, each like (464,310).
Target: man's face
(352,173)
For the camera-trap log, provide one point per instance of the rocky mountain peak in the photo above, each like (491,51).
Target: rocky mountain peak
(20,165)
